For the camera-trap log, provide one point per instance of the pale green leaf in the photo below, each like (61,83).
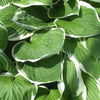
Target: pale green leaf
(46,70)
(6,64)
(98,1)
(27,3)
(93,93)
(45,94)
(15,32)
(85,25)
(33,18)
(74,86)
(15,88)
(42,44)
(63,9)
(3,36)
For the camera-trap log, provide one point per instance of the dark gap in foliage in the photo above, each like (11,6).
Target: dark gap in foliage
(52,85)
(9,49)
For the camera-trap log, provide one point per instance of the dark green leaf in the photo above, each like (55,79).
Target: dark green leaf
(46,70)
(64,9)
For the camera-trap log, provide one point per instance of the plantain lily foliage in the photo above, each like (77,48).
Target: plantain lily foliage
(49,50)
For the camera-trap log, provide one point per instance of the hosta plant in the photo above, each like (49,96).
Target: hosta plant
(49,50)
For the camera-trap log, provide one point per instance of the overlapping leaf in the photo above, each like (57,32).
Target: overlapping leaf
(33,18)
(46,94)
(74,86)
(85,58)
(43,70)
(93,44)
(15,32)
(42,44)
(63,9)
(85,25)
(6,64)
(93,92)
(3,36)
(16,88)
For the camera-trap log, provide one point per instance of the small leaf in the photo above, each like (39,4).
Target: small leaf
(85,25)
(15,88)
(33,18)
(64,9)
(42,44)
(45,70)
(45,94)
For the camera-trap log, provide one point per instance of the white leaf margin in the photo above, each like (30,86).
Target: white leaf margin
(67,15)
(44,56)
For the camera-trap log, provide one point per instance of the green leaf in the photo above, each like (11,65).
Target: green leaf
(42,44)
(86,60)
(6,64)
(15,88)
(85,25)
(93,93)
(45,70)
(45,94)
(27,3)
(3,36)
(63,9)
(95,1)
(96,5)
(93,44)
(15,32)
(74,86)
(33,18)
(5,2)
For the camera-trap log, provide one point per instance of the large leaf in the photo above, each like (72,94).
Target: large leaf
(87,62)
(93,44)
(3,37)
(74,85)
(27,3)
(93,93)
(85,25)
(33,18)
(15,32)
(42,44)
(63,9)
(46,94)
(46,70)
(16,88)
(6,64)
